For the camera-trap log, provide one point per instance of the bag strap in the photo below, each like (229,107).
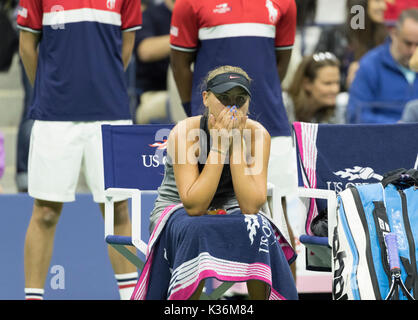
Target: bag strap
(413,174)
(382,227)
(401,178)
(410,277)
(381,222)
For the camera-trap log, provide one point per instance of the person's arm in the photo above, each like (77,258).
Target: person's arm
(285,36)
(248,164)
(128,41)
(150,44)
(154,48)
(351,73)
(184,41)
(131,17)
(181,63)
(29,21)
(283,59)
(361,92)
(196,189)
(28,51)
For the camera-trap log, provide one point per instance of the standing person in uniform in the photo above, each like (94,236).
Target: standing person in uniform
(78,78)
(255,35)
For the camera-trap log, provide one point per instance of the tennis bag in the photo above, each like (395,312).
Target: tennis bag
(365,214)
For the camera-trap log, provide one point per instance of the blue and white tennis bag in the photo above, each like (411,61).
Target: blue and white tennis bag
(365,213)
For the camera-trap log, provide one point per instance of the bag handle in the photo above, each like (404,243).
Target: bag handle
(401,178)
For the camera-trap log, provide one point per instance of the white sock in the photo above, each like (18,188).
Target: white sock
(34,294)
(126,284)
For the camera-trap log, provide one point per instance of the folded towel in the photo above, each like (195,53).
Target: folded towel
(183,250)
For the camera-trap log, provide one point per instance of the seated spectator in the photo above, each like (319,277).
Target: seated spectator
(314,94)
(410,114)
(152,49)
(384,83)
(349,44)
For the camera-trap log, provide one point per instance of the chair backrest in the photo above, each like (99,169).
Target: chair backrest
(334,157)
(134,155)
(133,160)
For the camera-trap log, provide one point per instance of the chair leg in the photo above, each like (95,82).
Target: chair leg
(218,292)
(215,295)
(129,255)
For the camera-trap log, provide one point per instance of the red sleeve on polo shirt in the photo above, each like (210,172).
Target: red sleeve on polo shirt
(286,26)
(30,14)
(184,27)
(131,15)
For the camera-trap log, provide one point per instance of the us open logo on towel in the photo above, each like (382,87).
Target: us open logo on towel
(352,177)
(254,226)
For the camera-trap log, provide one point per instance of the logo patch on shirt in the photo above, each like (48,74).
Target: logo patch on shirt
(174,31)
(222,8)
(272,11)
(111,4)
(23,12)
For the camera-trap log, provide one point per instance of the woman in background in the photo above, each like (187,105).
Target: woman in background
(314,94)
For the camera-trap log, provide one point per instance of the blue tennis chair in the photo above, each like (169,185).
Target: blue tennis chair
(332,157)
(133,157)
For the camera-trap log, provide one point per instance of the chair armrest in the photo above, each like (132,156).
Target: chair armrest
(135,195)
(331,197)
(275,203)
(270,189)
(321,241)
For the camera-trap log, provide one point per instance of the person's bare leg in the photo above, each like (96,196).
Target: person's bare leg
(122,227)
(39,242)
(257,290)
(125,272)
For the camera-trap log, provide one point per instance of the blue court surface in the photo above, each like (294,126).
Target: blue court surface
(80,268)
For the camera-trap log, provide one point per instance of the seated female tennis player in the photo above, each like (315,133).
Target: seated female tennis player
(207,220)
